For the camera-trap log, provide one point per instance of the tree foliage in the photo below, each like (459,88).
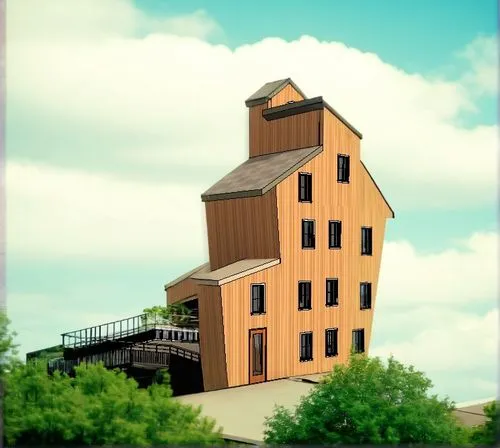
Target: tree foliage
(367,402)
(489,433)
(8,350)
(173,314)
(97,407)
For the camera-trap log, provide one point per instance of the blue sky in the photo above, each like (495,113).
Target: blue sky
(103,166)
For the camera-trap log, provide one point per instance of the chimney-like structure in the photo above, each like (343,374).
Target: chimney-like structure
(266,108)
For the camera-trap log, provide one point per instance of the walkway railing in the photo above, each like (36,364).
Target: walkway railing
(124,357)
(123,329)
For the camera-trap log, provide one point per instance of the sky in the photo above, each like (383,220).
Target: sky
(120,114)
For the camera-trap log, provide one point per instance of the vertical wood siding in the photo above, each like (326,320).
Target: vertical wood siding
(283,97)
(242,228)
(294,132)
(212,347)
(182,290)
(356,204)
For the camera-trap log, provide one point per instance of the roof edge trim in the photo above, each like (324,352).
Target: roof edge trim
(232,195)
(301,107)
(377,187)
(230,278)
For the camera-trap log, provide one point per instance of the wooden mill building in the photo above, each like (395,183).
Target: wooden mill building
(295,238)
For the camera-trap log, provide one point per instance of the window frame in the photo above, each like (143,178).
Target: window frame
(369,245)
(335,351)
(345,170)
(358,331)
(307,188)
(331,241)
(257,313)
(302,233)
(299,295)
(335,302)
(311,345)
(365,301)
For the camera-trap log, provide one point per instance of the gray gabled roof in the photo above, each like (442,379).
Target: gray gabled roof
(270,89)
(260,174)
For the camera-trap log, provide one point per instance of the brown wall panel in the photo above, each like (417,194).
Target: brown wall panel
(294,132)
(212,347)
(242,228)
(182,290)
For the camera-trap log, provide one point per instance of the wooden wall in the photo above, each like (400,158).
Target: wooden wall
(212,347)
(284,96)
(182,290)
(242,228)
(294,132)
(356,204)
(299,131)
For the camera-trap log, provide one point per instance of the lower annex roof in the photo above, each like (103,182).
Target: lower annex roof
(234,271)
(226,274)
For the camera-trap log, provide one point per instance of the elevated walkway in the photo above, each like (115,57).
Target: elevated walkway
(128,329)
(133,342)
(149,355)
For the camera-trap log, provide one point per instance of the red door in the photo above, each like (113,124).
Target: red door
(258,354)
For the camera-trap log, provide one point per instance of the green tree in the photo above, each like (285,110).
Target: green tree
(489,432)
(8,350)
(8,358)
(174,314)
(367,402)
(97,407)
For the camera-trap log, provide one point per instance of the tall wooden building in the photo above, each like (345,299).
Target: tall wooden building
(295,237)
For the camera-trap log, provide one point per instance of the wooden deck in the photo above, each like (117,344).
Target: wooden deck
(152,354)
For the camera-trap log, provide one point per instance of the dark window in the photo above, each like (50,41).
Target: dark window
(332,291)
(365,295)
(305,295)
(343,168)
(334,234)
(306,346)
(358,341)
(366,240)
(331,342)
(258,299)
(257,355)
(305,187)
(308,234)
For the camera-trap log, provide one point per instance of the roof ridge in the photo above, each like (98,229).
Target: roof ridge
(269,89)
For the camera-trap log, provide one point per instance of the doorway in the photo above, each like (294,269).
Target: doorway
(258,355)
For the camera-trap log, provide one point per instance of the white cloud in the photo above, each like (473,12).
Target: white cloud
(451,277)
(438,312)
(72,214)
(458,351)
(31,20)
(445,340)
(162,100)
(482,55)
